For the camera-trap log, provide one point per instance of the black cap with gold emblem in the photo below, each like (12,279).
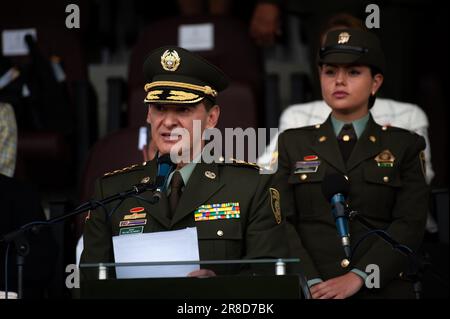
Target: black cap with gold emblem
(352,46)
(176,76)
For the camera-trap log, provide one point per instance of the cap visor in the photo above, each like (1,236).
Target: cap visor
(340,58)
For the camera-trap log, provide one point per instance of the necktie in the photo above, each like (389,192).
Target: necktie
(347,139)
(176,184)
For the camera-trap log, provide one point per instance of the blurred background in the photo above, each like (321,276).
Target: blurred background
(77,93)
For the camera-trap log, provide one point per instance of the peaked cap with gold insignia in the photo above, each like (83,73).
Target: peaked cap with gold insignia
(352,46)
(177,76)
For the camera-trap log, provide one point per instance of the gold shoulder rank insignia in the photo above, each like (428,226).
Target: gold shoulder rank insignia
(117,171)
(244,163)
(275,202)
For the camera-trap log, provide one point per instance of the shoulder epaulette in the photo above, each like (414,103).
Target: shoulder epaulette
(241,163)
(386,128)
(117,171)
(305,128)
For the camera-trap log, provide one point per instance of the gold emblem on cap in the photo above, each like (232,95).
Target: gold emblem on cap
(170,60)
(210,174)
(343,37)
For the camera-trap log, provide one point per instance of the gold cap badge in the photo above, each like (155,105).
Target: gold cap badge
(170,60)
(343,37)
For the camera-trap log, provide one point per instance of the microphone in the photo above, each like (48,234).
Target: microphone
(335,188)
(165,167)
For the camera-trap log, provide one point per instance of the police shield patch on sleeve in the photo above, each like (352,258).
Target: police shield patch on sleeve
(422,163)
(275,202)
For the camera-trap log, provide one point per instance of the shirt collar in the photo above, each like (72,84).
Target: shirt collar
(359,125)
(185,171)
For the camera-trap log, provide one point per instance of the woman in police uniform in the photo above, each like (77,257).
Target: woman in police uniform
(384,166)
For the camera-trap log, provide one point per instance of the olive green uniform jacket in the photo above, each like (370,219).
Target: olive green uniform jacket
(259,232)
(394,199)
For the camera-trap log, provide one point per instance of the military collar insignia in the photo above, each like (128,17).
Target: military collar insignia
(170,60)
(210,175)
(343,37)
(385,159)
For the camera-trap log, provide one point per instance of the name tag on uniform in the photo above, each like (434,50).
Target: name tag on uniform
(217,211)
(131,230)
(306,167)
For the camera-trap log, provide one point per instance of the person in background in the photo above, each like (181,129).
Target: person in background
(8,140)
(384,166)
(385,112)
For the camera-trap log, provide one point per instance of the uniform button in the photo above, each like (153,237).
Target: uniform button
(373,139)
(346,177)
(303,177)
(221,159)
(384,128)
(145,180)
(346,138)
(322,139)
(220,233)
(317,126)
(386,179)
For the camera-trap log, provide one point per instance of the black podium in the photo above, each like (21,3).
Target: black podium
(251,285)
(220,287)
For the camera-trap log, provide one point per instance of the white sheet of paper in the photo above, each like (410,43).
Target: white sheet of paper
(14,41)
(175,245)
(196,37)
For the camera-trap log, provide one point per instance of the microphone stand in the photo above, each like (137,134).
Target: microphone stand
(416,264)
(21,243)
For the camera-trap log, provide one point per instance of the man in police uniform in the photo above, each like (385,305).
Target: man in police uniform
(236,213)
(385,169)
